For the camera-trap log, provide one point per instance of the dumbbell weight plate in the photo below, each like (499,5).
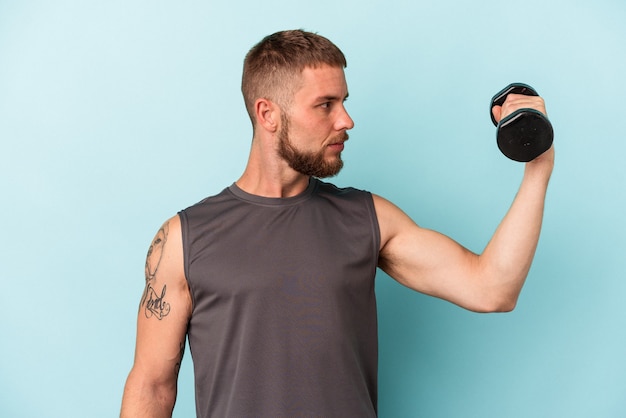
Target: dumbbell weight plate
(524,135)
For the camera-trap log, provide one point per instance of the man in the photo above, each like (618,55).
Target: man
(272,280)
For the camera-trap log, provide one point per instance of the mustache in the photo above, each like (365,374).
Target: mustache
(343,137)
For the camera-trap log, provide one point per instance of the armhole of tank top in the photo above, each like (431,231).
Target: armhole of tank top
(375,227)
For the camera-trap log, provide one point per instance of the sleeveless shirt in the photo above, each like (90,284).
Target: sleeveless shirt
(284,313)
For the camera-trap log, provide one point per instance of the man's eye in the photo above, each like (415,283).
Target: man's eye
(325,105)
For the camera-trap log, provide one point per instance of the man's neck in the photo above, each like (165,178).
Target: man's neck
(268,175)
(279,185)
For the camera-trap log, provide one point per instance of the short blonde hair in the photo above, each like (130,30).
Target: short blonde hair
(272,67)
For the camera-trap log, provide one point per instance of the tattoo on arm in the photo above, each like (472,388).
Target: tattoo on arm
(155,252)
(180,357)
(154,303)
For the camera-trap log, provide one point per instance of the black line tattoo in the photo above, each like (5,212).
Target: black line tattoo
(154,303)
(155,252)
(180,357)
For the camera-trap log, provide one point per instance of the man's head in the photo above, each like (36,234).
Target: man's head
(273,67)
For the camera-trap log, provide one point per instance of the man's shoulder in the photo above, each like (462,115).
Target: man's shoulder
(347,199)
(331,188)
(214,198)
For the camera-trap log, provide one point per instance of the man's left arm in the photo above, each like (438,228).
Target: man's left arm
(434,264)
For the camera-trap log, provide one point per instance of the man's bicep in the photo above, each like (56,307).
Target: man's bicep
(165,305)
(422,259)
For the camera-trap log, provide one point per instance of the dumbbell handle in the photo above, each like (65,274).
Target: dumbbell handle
(515,88)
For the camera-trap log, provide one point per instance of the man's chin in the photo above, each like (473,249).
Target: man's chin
(330,170)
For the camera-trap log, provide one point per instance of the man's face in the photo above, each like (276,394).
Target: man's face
(312,134)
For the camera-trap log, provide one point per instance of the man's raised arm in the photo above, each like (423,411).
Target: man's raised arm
(434,264)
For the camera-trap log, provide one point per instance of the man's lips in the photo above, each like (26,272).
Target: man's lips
(337,146)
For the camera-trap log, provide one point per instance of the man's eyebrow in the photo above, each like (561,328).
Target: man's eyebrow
(332,98)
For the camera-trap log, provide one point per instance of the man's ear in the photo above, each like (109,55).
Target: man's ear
(267,114)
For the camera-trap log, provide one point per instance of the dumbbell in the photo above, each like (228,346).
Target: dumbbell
(524,134)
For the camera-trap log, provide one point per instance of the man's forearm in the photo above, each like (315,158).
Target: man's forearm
(147,400)
(510,253)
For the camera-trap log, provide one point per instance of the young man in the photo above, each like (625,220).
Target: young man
(272,280)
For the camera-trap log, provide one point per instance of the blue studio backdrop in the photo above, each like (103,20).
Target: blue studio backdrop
(114,115)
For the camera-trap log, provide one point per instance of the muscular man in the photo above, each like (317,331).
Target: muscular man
(272,280)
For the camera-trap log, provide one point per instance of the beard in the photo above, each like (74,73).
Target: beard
(311,164)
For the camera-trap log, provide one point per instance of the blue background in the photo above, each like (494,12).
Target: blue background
(114,115)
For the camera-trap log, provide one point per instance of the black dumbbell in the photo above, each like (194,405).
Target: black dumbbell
(524,134)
